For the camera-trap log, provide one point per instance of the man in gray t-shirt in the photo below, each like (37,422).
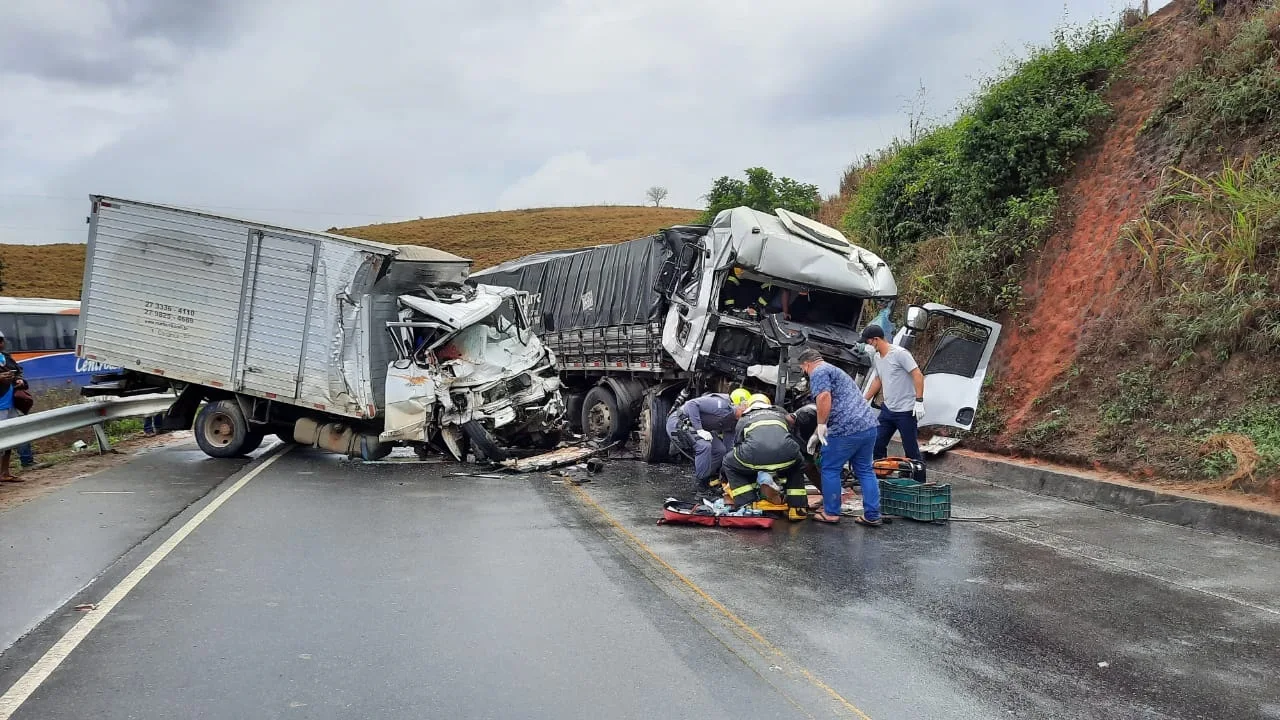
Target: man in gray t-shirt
(898,375)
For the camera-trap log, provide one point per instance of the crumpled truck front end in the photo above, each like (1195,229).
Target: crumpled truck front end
(472,371)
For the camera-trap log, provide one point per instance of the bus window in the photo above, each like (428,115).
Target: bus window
(67,326)
(37,332)
(9,326)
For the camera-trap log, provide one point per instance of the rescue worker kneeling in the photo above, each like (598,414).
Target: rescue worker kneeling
(696,428)
(762,442)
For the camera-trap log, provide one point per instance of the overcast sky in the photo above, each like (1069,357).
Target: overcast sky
(312,113)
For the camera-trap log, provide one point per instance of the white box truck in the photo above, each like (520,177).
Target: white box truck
(324,340)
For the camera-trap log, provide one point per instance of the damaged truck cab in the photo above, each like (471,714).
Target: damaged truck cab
(471,368)
(639,326)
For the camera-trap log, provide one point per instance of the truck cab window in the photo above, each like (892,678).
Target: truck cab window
(691,281)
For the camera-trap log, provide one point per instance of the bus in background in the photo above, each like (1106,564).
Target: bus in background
(41,336)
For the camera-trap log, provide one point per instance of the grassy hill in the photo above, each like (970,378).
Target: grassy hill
(491,238)
(51,271)
(55,271)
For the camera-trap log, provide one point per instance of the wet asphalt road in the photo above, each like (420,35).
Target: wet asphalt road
(330,589)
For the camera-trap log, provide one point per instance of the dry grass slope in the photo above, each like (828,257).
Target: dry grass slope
(491,238)
(52,271)
(55,271)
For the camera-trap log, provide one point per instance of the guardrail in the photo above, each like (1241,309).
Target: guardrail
(18,431)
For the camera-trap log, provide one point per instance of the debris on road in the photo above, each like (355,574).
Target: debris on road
(85,607)
(557,458)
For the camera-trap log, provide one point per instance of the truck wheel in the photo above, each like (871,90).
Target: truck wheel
(655,446)
(482,443)
(602,419)
(221,430)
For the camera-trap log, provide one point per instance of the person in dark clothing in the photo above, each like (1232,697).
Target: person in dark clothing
(698,428)
(763,443)
(10,381)
(803,422)
(742,295)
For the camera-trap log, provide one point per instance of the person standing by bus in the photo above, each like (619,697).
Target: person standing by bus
(10,380)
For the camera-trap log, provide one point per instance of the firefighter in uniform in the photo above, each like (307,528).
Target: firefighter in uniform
(698,428)
(744,295)
(763,442)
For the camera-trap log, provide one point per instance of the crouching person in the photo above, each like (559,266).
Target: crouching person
(762,442)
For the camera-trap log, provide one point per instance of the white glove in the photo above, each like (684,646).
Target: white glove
(918,410)
(819,437)
(705,435)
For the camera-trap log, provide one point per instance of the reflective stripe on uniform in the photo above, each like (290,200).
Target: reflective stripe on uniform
(797,491)
(774,466)
(735,492)
(761,423)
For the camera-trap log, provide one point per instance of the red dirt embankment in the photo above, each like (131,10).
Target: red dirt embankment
(1076,279)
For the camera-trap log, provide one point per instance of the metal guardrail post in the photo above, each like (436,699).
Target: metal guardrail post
(104,443)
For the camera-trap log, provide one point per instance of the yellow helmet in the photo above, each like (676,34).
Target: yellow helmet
(758,398)
(739,396)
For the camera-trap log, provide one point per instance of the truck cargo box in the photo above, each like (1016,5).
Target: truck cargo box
(283,314)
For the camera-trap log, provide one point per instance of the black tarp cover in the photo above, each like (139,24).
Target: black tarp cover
(592,287)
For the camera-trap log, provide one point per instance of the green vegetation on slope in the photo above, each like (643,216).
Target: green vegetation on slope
(979,194)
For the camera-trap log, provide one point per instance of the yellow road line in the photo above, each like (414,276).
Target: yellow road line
(726,612)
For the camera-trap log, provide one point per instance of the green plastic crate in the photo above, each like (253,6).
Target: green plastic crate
(914,500)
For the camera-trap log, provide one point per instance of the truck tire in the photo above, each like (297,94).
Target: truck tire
(482,443)
(655,446)
(221,430)
(602,419)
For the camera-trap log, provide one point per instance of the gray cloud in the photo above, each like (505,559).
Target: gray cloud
(304,112)
(114,42)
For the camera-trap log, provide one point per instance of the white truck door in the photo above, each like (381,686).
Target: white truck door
(279,312)
(957,362)
(410,398)
(690,315)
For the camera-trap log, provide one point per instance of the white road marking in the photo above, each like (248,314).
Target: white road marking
(44,667)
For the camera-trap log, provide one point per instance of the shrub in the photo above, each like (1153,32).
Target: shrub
(985,182)
(1210,245)
(1231,91)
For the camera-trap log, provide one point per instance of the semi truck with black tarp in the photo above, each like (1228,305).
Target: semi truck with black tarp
(638,326)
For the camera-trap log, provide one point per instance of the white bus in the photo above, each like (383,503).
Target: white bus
(41,335)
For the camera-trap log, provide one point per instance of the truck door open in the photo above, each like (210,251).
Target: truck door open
(958,347)
(691,315)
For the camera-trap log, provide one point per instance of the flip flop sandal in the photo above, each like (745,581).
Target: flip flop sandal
(823,517)
(11,479)
(868,523)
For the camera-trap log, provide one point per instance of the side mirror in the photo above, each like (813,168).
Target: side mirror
(917,318)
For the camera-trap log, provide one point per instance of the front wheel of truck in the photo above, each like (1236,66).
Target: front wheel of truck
(482,443)
(222,431)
